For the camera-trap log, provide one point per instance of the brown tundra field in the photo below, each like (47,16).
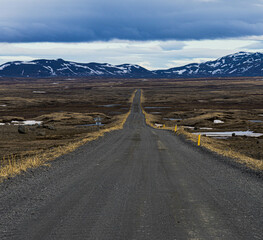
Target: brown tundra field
(229,111)
(54,116)
(44,115)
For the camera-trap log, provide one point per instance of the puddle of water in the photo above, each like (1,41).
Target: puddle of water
(91,124)
(218,121)
(206,128)
(173,119)
(115,113)
(155,112)
(221,137)
(255,121)
(39,92)
(110,105)
(229,134)
(156,107)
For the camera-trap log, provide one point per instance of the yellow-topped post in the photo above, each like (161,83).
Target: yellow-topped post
(175,128)
(199,140)
(164,126)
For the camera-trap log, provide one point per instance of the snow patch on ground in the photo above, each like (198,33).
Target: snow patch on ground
(229,134)
(218,121)
(27,122)
(189,127)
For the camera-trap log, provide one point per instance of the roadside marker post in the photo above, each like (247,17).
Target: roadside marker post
(175,128)
(199,140)
(164,126)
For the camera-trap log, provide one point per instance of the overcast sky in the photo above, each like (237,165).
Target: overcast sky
(153,33)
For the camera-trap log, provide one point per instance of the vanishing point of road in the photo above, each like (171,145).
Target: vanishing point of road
(134,183)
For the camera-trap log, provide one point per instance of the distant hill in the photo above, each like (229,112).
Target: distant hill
(238,64)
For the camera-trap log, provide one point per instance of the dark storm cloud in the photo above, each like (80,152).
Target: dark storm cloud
(90,20)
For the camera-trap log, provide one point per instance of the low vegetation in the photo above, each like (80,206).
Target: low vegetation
(62,126)
(65,111)
(216,105)
(13,165)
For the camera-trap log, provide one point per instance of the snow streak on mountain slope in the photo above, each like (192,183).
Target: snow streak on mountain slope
(59,67)
(238,64)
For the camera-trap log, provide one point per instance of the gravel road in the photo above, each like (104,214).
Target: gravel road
(135,183)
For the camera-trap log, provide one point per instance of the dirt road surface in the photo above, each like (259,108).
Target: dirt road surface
(136,183)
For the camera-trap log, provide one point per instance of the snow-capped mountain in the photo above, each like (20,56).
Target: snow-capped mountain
(238,64)
(59,67)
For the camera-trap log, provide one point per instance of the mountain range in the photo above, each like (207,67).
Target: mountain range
(239,64)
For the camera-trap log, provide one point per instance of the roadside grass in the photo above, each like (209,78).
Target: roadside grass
(216,146)
(208,143)
(13,165)
(149,118)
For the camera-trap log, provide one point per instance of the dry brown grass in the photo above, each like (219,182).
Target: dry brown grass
(149,118)
(14,165)
(213,145)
